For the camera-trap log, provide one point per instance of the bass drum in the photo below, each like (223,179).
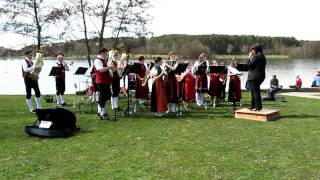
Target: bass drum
(42,132)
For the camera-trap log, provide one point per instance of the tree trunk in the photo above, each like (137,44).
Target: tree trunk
(35,8)
(104,17)
(85,32)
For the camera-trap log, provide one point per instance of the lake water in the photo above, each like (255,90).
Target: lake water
(12,82)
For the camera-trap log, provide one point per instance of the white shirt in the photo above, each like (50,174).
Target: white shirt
(195,66)
(98,64)
(66,67)
(233,70)
(24,65)
(153,72)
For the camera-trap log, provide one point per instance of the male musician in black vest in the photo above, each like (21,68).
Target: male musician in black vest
(257,66)
(60,79)
(103,81)
(28,67)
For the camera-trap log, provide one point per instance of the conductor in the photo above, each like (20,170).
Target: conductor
(257,66)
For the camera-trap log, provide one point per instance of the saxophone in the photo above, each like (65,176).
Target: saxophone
(39,63)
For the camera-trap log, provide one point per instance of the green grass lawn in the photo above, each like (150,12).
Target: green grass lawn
(202,144)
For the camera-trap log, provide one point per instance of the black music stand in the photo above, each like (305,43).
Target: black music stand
(201,70)
(135,68)
(180,69)
(218,69)
(242,67)
(80,71)
(55,70)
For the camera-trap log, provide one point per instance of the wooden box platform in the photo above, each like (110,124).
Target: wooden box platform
(263,115)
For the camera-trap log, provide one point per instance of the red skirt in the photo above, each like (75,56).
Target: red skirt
(189,88)
(201,83)
(141,91)
(214,85)
(171,89)
(234,89)
(158,96)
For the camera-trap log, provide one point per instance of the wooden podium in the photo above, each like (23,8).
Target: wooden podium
(263,115)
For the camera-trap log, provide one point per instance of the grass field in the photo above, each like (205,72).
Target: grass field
(201,145)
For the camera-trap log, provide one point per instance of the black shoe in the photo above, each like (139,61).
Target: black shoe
(117,109)
(64,104)
(33,111)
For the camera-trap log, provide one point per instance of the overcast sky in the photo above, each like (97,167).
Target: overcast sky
(297,18)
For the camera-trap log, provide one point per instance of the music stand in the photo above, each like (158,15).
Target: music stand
(181,68)
(242,67)
(218,69)
(80,71)
(201,70)
(135,68)
(55,70)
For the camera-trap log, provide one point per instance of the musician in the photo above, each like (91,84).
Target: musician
(201,86)
(188,83)
(28,67)
(103,81)
(158,94)
(60,80)
(171,81)
(142,91)
(222,85)
(124,61)
(214,85)
(115,85)
(234,94)
(257,65)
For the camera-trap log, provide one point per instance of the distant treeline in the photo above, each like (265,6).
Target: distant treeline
(189,46)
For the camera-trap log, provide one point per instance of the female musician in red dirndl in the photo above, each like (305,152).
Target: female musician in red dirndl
(201,85)
(172,86)
(234,83)
(158,94)
(188,86)
(214,85)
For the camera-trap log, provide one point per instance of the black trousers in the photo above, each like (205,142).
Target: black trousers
(254,87)
(105,94)
(31,84)
(60,86)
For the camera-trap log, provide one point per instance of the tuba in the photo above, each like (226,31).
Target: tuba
(39,63)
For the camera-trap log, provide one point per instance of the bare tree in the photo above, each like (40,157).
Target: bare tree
(83,13)
(31,18)
(130,17)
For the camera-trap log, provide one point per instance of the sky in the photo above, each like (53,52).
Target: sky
(290,18)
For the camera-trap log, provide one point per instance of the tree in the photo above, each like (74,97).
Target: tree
(83,8)
(130,17)
(32,18)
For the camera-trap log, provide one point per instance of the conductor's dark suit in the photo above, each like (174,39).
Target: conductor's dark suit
(256,76)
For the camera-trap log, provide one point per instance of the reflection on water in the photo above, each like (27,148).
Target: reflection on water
(12,82)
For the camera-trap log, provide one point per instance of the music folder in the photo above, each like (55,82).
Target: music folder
(81,71)
(55,70)
(218,69)
(242,67)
